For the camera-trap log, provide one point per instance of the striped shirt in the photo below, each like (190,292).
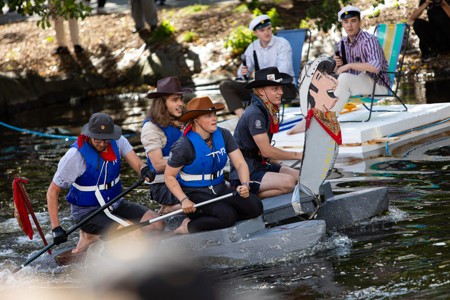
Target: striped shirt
(365,48)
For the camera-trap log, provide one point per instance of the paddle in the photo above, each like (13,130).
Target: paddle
(84,221)
(133,227)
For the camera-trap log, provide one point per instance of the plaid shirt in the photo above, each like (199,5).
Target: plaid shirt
(366,49)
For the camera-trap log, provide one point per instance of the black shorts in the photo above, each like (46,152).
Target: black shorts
(161,194)
(257,175)
(101,223)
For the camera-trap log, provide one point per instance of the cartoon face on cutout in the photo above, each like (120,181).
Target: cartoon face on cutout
(321,90)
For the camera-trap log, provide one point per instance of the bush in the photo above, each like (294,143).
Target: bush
(239,39)
(189,36)
(163,31)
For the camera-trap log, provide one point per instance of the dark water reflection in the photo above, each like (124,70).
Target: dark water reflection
(403,254)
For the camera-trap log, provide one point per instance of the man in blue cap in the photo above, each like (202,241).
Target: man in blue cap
(267,51)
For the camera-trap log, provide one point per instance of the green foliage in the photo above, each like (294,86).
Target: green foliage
(304,24)
(64,8)
(325,13)
(253,4)
(274,17)
(163,31)
(242,8)
(375,13)
(189,36)
(239,39)
(195,8)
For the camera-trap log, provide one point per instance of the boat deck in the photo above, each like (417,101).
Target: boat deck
(384,132)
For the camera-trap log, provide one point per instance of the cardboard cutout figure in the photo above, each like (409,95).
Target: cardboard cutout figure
(323,134)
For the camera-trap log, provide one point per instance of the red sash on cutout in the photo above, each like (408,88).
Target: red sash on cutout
(328,121)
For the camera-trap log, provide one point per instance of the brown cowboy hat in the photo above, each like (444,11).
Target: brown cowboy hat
(198,107)
(269,77)
(168,86)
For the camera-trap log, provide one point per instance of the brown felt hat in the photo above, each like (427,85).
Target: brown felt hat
(168,86)
(101,126)
(200,106)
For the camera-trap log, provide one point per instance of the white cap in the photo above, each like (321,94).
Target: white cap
(348,12)
(260,21)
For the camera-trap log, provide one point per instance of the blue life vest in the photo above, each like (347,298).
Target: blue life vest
(82,191)
(207,167)
(172,134)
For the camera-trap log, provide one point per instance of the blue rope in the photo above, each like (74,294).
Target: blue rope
(53,136)
(386,151)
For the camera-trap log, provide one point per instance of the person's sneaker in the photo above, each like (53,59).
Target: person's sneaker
(78,49)
(61,50)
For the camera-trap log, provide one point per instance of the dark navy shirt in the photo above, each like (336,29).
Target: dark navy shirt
(254,121)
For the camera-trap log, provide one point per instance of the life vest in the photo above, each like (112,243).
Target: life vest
(100,174)
(172,134)
(207,167)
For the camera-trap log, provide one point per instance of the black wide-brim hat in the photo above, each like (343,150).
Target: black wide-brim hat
(198,107)
(101,127)
(269,77)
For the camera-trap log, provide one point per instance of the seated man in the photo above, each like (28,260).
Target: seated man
(267,51)
(90,169)
(254,133)
(359,59)
(434,34)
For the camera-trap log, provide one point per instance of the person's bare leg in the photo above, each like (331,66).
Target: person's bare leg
(274,184)
(183,228)
(157,226)
(298,128)
(86,239)
(165,209)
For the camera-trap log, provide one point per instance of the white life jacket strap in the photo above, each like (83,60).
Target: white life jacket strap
(93,188)
(102,202)
(191,177)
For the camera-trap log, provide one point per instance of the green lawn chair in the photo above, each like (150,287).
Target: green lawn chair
(391,37)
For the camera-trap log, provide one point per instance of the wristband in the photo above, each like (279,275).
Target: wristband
(245,183)
(185,198)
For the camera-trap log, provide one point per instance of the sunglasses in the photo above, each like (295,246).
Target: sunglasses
(98,141)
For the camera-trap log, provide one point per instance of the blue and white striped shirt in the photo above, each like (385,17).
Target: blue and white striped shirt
(365,48)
